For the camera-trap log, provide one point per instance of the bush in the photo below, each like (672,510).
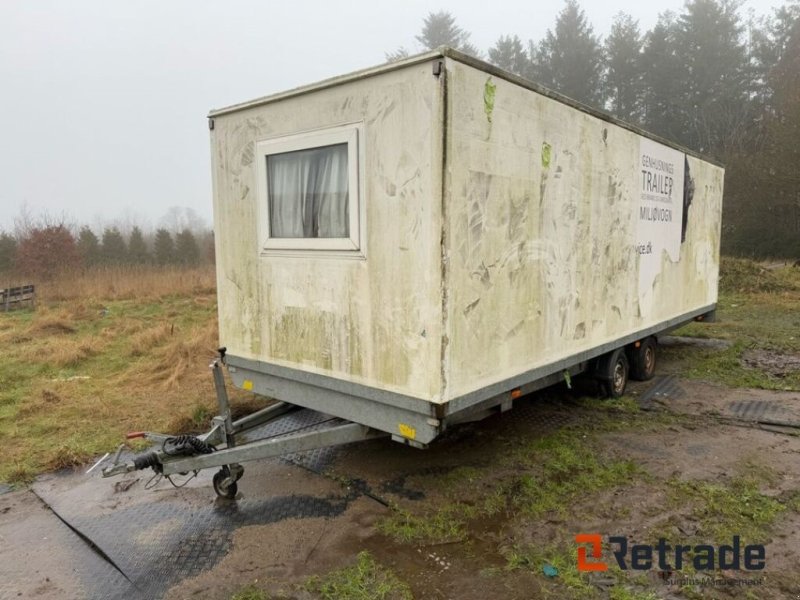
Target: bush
(45,251)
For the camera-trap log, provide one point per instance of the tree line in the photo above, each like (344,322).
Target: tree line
(47,248)
(708,78)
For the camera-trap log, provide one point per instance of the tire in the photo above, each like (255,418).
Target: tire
(643,359)
(612,371)
(228,492)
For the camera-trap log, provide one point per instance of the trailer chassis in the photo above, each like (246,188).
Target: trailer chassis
(363,415)
(222,446)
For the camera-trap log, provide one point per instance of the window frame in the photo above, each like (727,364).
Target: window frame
(350,134)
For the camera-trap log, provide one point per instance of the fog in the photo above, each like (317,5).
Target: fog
(104,103)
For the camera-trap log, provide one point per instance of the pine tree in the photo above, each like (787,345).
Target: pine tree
(186,250)
(88,246)
(661,78)
(623,76)
(508,53)
(164,248)
(716,79)
(210,248)
(398,54)
(113,248)
(440,29)
(8,251)
(762,189)
(137,249)
(569,58)
(770,42)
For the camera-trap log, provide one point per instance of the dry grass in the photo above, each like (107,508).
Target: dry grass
(174,357)
(131,353)
(120,283)
(143,341)
(742,275)
(53,324)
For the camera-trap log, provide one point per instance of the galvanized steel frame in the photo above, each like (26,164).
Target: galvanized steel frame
(386,410)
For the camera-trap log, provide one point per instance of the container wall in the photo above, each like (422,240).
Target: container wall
(564,231)
(374,319)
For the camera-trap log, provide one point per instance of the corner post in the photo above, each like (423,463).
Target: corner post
(223,403)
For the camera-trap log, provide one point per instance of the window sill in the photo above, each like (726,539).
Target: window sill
(312,253)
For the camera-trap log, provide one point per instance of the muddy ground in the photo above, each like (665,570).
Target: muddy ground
(492,509)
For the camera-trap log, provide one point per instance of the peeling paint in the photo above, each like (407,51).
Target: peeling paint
(489,90)
(542,226)
(487,254)
(546,154)
(469,307)
(247,155)
(340,317)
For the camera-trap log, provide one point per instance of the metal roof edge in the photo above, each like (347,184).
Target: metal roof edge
(471,61)
(330,82)
(540,89)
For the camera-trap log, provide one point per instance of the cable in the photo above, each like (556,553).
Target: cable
(186,445)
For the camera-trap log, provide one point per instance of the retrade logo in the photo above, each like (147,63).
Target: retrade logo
(596,542)
(666,557)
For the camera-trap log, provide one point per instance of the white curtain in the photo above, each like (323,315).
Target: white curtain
(308,193)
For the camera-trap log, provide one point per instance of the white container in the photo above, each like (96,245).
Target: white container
(495,234)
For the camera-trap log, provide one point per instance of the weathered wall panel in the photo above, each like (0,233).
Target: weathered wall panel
(542,211)
(376,321)
(546,252)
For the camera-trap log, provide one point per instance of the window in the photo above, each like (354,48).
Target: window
(309,191)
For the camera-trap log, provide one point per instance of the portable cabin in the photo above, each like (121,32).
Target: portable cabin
(419,243)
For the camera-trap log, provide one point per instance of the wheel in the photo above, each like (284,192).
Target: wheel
(612,371)
(228,491)
(643,359)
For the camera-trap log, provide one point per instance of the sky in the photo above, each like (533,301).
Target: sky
(104,102)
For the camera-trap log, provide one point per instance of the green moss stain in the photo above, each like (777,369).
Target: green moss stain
(488,98)
(547,154)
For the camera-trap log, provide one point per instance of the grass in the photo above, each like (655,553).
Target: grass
(84,371)
(726,509)
(620,592)
(126,282)
(365,580)
(446,523)
(578,585)
(556,471)
(250,592)
(744,275)
(564,561)
(757,311)
(564,467)
(551,477)
(721,509)
(119,349)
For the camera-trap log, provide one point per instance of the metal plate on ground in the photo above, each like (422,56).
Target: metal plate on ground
(160,543)
(301,420)
(664,388)
(156,538)
(42,556)
(755,410)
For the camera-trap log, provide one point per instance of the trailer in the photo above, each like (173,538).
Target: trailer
(419,244)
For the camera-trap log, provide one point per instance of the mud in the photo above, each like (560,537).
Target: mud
(42,558)
(774,363)
(699,434)
(700,398)
(678,340)
(281,556)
